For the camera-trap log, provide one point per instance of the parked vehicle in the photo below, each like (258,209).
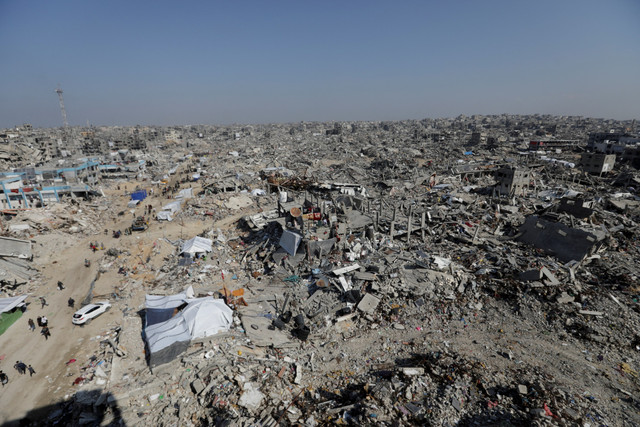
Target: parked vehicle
(88,312)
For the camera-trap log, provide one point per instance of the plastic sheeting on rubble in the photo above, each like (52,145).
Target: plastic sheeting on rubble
(196,245)
(168,210)
(139,195)
(8,304)
(186,193)
(173,321)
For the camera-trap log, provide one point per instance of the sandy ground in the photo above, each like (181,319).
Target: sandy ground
(60,256)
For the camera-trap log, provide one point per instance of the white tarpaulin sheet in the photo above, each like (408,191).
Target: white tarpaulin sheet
(162,335)
(186,193)
(197,245)
(168,301)
(290,241)
(168,210)
(8,304)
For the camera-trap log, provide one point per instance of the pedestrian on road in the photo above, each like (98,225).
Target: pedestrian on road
(45,332)
(43,302)
(31,370)
(71,302)
(20,367)
(60,285)
(3,378)
(44,320)
(32,325)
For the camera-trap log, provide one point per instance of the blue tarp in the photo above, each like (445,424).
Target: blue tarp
(139,195)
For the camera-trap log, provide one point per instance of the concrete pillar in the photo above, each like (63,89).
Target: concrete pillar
(409,224)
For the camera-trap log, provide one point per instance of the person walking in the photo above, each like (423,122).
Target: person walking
(43,302)
(60,285)
(3,378)
(71,302)
(20,367)
(46,332)
(31,370)
(32,325)
(44,321)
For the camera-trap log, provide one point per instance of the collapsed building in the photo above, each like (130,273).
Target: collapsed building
(368,275)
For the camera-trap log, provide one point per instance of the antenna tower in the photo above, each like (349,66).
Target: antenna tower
(64,112)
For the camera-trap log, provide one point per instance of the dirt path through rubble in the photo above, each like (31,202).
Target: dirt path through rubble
(62,258)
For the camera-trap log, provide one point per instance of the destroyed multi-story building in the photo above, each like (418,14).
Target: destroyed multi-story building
(512,180)
(597,163)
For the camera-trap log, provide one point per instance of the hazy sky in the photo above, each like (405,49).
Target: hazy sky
(217,62)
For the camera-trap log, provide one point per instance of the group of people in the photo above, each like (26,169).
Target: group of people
(94,246)
(43,322)
(22,369)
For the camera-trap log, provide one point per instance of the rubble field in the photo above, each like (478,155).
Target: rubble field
(374,277)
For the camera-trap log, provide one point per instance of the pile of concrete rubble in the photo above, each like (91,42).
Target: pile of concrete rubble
(391,286)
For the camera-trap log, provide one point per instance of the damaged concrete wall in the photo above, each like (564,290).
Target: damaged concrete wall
(559,240)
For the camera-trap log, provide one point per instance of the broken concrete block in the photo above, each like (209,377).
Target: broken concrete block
(565,298)
(549,278)
(522,389)
(100,372)
(530,275)
(591,313)
(368,303)
(412,372)
(197,386)
(298,378)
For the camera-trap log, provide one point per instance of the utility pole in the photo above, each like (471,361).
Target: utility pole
(64,112)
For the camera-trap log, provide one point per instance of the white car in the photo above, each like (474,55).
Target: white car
(88,312)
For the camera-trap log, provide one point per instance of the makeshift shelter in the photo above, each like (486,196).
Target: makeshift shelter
(207,316)
(185,193)
(168,210)
(139,195)
(173,321)
(8,304)
(196,245)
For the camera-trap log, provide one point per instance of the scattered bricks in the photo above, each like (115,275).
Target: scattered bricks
(282,371)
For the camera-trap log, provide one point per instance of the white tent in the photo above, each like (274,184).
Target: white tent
(207,316)
(8,304)
(196,245)
(170,333)
(168,210)
(173,321)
